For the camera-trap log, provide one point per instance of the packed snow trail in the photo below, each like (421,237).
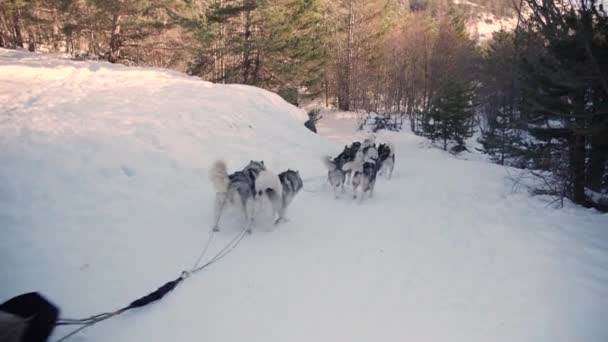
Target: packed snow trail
(104,196)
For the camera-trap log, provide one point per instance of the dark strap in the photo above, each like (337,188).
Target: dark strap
(154,296)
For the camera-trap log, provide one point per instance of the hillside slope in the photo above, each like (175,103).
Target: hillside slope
(104,196)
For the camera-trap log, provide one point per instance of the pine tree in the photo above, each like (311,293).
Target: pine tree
(278,45)
(502,130)
(451,117)
(136,19)
(567,88)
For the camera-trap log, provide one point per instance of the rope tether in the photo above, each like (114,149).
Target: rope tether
(169,286)
(158,293)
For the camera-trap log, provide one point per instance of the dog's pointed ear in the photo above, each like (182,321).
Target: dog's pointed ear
(262,162)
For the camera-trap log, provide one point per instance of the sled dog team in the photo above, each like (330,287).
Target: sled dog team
(358,165)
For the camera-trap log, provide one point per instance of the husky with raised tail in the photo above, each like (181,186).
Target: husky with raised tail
(280,190)
(240,184)
(335,174)
(348,155)
(364,173)
(386,159)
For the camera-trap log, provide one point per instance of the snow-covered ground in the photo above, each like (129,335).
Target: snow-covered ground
(104,196)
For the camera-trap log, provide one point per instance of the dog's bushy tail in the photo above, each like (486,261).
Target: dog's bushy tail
(219,176)
(329,163)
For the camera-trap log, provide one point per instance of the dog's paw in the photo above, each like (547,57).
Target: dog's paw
(280,220)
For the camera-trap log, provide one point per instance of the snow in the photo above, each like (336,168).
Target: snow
(104,196)
(487,24)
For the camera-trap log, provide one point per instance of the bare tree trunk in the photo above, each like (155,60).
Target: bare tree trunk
(57,36)
(115,40)
(17,36)
(256,67)
(344,99)
(4,31)
(222,58)
(31,47)
(577,168)
(598,157)
(326,86)
(247,45)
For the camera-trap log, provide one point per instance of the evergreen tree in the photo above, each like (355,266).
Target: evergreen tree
(566,87)
(451,116)
(502,129)
(136,20)
(278,45)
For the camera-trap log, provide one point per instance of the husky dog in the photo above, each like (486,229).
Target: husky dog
(386,158)
(280,190)
(335,174)
(240,183)
(370,152)
(355,164)
(365,178)
(348,154)
(292,184)
(364,171)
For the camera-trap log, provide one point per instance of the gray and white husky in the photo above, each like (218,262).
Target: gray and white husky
(335,174)
(229,186)
(280,190)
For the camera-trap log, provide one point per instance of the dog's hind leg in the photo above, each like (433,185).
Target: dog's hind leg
(250,209)
(277,208)
(336,188)
(356,181)
(218,207)
(282,212)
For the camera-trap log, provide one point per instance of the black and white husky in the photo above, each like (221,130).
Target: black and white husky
(339,170)
(365,179)
(386,159)
(280,190)
(228,187)
(364,171)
